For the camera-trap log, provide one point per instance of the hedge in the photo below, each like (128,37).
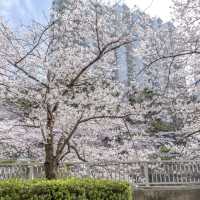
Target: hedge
(68,189)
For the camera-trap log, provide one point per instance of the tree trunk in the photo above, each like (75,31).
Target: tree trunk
(51,164)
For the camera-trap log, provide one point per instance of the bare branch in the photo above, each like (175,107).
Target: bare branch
(167,57)
(77,153)
(104,117)
(106,49)
(27,74)
(36,44)
(191,134)
(64,141)
(97,29)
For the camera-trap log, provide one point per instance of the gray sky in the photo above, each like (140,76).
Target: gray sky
(158,8)
(22,11)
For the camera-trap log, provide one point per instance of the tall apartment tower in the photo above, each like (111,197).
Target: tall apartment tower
(121,54)
(129,64)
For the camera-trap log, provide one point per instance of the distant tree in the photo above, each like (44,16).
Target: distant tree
(173,54)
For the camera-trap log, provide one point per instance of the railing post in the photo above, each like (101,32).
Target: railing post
(85,171)
(30,172)
(146,173)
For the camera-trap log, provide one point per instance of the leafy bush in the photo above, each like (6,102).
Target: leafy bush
(147,93)
(159,125)
(69,189)
(141,96)
(164,149)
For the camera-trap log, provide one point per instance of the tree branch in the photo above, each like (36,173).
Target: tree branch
(60,149)
(104,117)
(37,43)
(27,74)
(106,49)
(173,56)
(191,134)
(77,153)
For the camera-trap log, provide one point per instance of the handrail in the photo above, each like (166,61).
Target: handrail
(173,172)
(102,162)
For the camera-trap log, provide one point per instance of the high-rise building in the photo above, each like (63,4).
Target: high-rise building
(130,64)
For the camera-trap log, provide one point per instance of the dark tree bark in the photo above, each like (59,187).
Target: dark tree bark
(51,164)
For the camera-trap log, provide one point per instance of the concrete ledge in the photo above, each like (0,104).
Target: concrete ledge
(167,193)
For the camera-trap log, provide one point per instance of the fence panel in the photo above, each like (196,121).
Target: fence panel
(22,171)
(136,173)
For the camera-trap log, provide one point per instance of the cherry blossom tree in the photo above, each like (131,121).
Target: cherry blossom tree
(59,77)
(59,80)
(171,54)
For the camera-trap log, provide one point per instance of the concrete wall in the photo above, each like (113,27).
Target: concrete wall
(167,193)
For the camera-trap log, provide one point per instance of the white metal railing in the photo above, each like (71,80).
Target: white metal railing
(21,170)
(136,173)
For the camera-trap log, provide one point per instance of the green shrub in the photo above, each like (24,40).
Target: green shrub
(165,150)
(159,125)
(68,189)
(147,93)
